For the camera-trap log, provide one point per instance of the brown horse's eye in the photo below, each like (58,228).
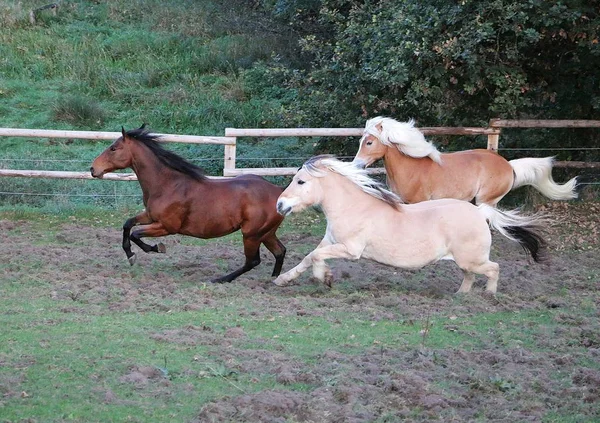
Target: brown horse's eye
(113,148)
(300,182)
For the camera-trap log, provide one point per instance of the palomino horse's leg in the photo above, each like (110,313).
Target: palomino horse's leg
(252,253)
(489,269)
(317,259)
(277,249)
(467,281)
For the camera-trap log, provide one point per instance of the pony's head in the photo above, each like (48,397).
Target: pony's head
(382,133)
(306,188)
(118,155)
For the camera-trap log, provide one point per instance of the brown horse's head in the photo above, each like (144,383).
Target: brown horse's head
(371,148)
(117,156)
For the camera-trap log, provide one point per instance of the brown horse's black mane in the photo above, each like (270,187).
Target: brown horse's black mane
(166,157)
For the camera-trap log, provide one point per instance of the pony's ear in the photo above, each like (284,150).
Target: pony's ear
(123,131)
(143,125)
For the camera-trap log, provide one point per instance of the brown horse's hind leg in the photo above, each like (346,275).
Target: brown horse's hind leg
(252,253)
(278,250)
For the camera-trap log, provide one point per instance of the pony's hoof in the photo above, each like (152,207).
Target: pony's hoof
(280,281)
(328,280)
(160,247)
(132,259)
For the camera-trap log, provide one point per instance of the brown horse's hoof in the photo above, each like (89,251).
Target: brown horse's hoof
(131,259)
(161,247)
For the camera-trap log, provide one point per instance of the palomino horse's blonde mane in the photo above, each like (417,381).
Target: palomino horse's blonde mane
(405,137)
(359,177)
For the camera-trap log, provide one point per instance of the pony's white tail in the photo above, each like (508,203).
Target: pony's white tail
(526,230)
(538,173)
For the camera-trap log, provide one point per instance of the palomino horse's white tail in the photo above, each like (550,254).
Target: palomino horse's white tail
(538,173)
(526,230)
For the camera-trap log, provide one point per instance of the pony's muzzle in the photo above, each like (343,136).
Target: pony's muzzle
(361,164)
(283,209)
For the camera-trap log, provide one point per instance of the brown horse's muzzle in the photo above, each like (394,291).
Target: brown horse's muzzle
(95,174)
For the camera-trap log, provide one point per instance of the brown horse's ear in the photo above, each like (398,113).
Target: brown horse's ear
(123,131)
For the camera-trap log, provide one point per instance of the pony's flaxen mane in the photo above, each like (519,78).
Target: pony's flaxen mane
(403,135)
(359,177)
(166,157)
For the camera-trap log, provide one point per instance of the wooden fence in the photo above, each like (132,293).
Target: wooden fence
(492,134)
(230,140)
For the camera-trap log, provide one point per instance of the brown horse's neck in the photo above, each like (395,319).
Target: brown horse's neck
(153,176)
(400,167)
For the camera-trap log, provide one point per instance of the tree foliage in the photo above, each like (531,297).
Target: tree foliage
(442,62)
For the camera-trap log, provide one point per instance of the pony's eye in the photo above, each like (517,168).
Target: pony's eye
(300,182)
(369,142)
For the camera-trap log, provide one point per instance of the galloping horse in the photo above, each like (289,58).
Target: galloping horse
(417,171)
(180,199)
(366,220)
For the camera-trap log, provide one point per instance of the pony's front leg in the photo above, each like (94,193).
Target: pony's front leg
(317,259)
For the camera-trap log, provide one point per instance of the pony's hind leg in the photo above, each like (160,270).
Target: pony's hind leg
(278,250)
(252,253)
(489,269)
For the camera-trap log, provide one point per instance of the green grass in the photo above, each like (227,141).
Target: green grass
(68,352)
(177,65)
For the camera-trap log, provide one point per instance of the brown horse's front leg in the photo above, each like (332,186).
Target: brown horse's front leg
(154,229)
(140,219)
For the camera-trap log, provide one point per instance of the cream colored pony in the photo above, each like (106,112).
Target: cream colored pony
(364,220)
(417,171)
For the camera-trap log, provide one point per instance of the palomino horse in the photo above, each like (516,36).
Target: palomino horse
(180,199)
(366,220)
(417,171)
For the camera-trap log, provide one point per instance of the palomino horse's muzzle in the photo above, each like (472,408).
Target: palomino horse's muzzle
(361,164)
(283,209)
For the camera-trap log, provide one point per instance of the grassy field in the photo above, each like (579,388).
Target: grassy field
(87,338)
(182,67)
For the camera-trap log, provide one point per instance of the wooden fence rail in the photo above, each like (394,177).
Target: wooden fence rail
(229,141)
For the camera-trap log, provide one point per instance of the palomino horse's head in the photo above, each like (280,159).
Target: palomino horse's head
(117,156)
(382,132)
(304,191)
(370,148)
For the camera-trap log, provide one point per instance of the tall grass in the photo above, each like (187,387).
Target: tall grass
(177,65)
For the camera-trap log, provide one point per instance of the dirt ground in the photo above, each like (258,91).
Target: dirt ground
(501,381)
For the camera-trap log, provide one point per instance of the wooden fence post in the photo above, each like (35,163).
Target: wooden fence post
(493,139)
(229,160)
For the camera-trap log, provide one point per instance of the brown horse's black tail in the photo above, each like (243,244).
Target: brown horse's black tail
(526,230)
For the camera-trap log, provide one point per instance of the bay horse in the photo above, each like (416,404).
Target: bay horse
(417,171)
(364,220)
(180,199)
